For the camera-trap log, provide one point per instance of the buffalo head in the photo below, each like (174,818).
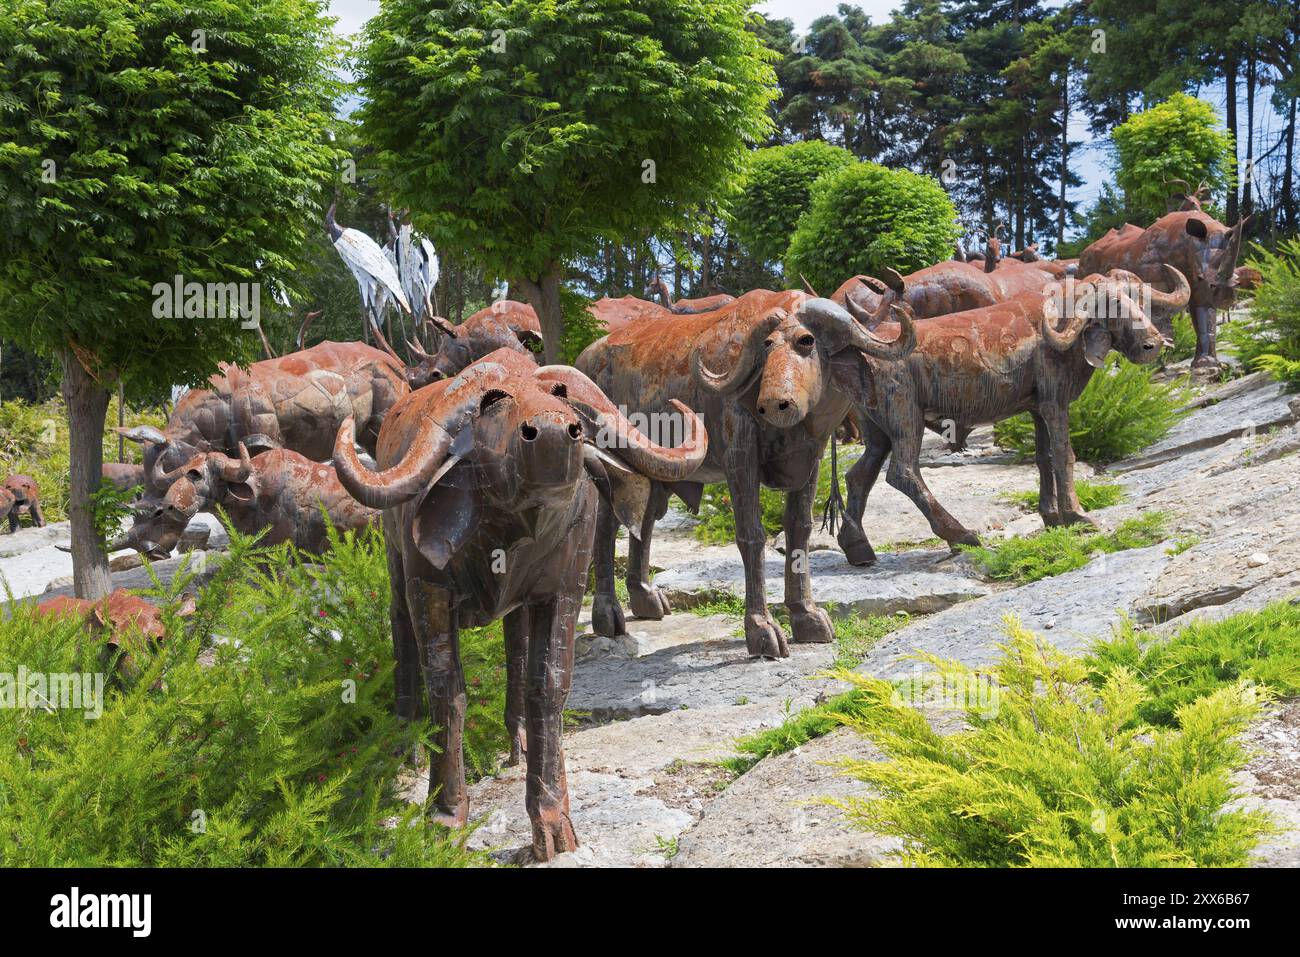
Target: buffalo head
(789,356)
(529,434)
(1107,312)
(192,487)
(1209,252)
(503,325)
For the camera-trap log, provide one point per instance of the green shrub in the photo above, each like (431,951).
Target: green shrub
(1054,551)
(864,218)
(1184,341)
(1261,647)
(775,192)
(1058,768)
(1270,340)
(1119,413)
(581,328)
(1092,495)
(281,750)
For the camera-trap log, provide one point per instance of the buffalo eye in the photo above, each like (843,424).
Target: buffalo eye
(769,343)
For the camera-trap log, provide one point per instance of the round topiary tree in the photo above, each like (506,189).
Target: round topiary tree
(519,133)
(1178,139)
(864,218)
(775,192)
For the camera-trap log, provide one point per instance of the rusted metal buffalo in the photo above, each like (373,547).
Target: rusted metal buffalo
(130,627)
(1193,242)
(684,307)
(285,493)
(295,402)
(489,483)
(790,379)
(985,365)
(20,495)
(503,325)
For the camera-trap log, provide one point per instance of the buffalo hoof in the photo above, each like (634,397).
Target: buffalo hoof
(518,748)
(858,552)
(964,537)
(1208,363)
(1076,518)
(553,834)
(607,617)
(453,821)
(812,626)
(764,637)
(647,601)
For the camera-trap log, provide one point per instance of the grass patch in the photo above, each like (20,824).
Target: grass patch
(797,729)
(1053,551)
(856,635)
(1092,496)
(1065,770)
(721,603)
(1119,413)
(282,750)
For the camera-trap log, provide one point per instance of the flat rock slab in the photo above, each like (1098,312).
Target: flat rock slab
(772,816)
(1271,782)
(634,786)
(1247,410)
(916,582)
(1069,610)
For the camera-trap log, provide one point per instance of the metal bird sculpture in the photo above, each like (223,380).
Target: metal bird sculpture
(376,276)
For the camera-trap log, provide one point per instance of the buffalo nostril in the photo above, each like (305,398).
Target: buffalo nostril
(529,432)
(783,405)
(575,430)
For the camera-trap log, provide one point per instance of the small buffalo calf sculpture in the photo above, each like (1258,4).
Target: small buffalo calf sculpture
(20,494)
(489,483)
(131,627)
(280,491)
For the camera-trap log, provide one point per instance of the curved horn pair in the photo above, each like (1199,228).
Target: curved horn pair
(841,331)
(1065,339)
(1178,297)
(749,355)
(656,461)
(230,470)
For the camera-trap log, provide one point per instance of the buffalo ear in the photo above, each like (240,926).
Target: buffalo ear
(259,442)
(626,491)
(692,493)
(241,492)
(852,375)
(444,521)
(1096,344)
(1196,228)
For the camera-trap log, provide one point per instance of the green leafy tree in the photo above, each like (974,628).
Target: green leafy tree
(142,140)
(777,184)
(864,218)
(521,133)
(1178,139)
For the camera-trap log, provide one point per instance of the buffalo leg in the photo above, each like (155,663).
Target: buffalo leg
(763,636)
(905,475)
(515,626)
(550,670)
(1203,318)
(37,518)
(606,613)
(13,519)
(406,672)
(645,600)
(858,482)
(1047,503)
(808,623)
(434,620)
(1056,417)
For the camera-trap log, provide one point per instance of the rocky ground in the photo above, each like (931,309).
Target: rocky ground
(657,710)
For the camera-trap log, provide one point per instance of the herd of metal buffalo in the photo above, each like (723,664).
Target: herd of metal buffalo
(497,481)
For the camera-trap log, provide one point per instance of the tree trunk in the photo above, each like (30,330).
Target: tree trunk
(1065,155)
(1247,188)
(1288,196)
(1230,94)
(544,296)
(87,408)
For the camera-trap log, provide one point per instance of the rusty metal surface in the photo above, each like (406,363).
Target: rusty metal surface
(20,495)
(506,324)
(1033,353)
(768,372)
(129,627)
(1200,247)
(489,483)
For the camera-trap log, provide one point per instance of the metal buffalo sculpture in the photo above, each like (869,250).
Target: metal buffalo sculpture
(685,307)
(790,379)
(503,325)
(1193,242)
(295,402)
(130,627)
(985,365)
(489,483)
(21,495)
(285,493)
